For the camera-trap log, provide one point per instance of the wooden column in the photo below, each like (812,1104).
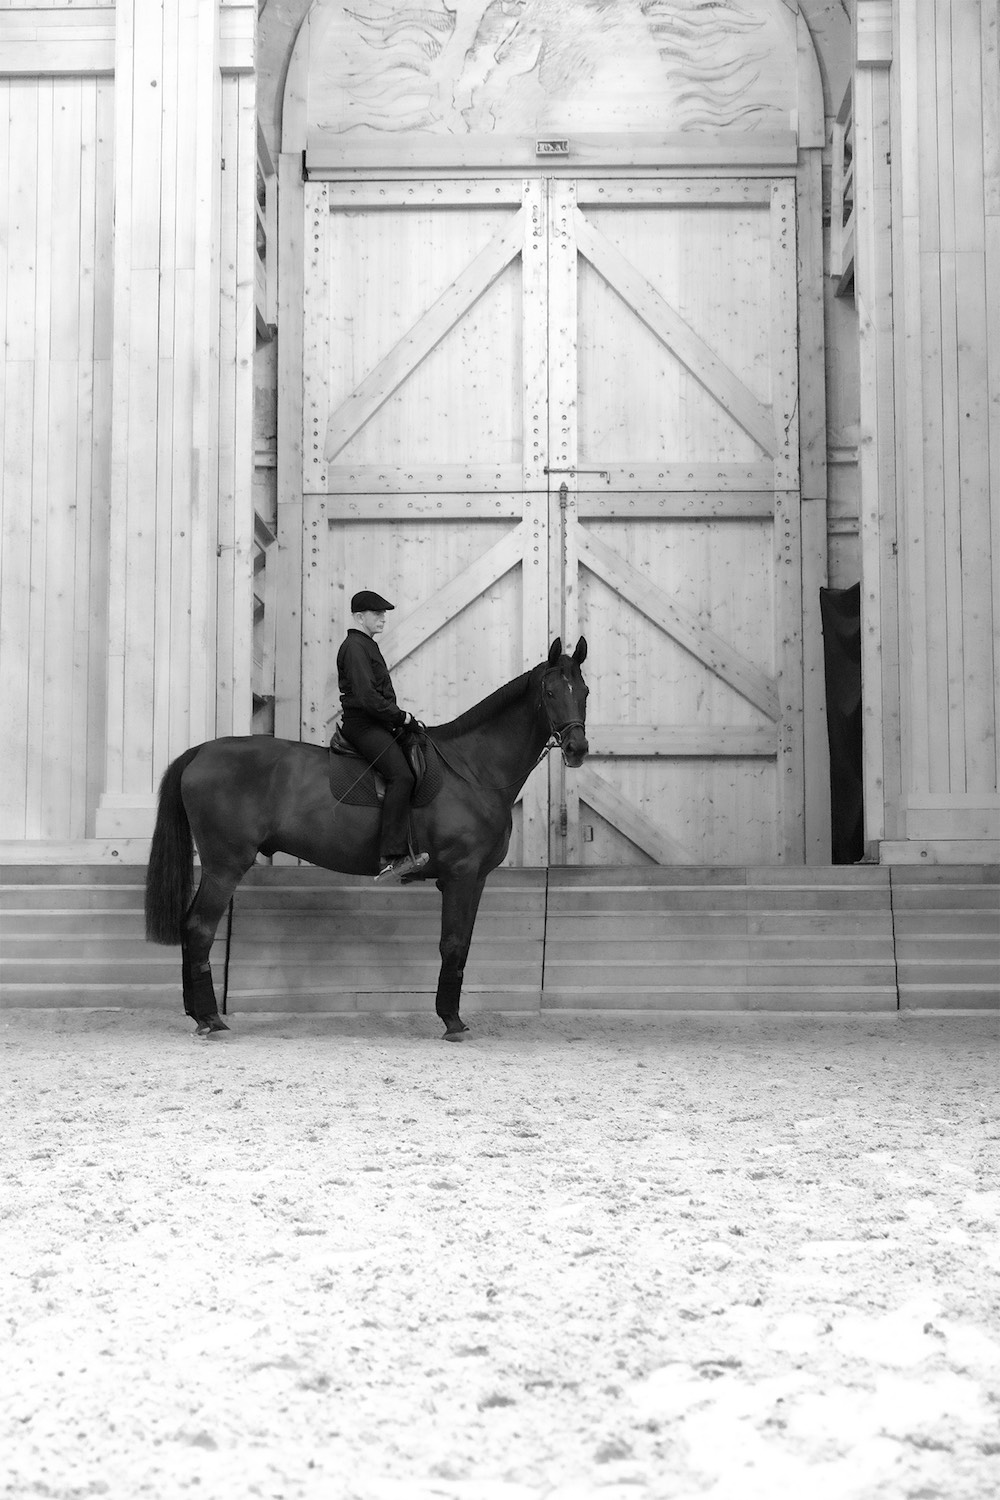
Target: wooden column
(178,486)
(927,121)
(876,452)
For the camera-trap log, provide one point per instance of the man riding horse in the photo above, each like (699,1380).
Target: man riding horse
(373,723)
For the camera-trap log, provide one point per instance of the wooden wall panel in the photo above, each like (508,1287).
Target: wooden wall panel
(932,305)
(56,164)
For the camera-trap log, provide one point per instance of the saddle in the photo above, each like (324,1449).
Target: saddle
(355,783)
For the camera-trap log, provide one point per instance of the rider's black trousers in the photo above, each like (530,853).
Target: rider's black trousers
(377,744)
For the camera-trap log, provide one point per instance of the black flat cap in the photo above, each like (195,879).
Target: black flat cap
(369,600)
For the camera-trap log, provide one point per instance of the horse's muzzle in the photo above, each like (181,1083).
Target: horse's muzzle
(574,747)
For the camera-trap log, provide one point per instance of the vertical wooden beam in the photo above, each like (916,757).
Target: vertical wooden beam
(534,485)
(787,553)
(241,718)
(564,454)
(18,135)
(39,488)
(876,457)
(288,559)
(812,452)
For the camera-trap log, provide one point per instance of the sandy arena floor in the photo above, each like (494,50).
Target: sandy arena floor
(737,1257)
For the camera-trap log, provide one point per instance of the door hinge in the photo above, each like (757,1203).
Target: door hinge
(563,821)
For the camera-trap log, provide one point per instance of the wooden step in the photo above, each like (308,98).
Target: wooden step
(624,939)
(310,939)
(947,934)
(739,939)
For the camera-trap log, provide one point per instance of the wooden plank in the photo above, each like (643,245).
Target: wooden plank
(14,531)
(682,739)
(766,151)
(877,502)
(172,469)
(18,20)
(316,336)
(226,564)
(425,335)
(671,329)
(680,624)
(691,192)
(951,773)
(738,505)
(412,629)
(288,561)
(811,335)
(243,523)
(953,822)
(979,553)
(674,479)
(811,121)
(967,164)
(60,497)
(435,191)
(643,831)
(943,147)
(87,606)
(237,37)
(98,574)
(57,56)
(992,262)
(816,744)
(203,98)
(788,624)
(534,400)
(39,487)
(989,99)
(447,485)
(563,449)
(919,131)
(15,594)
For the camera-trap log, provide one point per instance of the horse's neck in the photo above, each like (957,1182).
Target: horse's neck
(506,750)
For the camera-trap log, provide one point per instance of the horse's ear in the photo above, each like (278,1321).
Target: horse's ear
(580,654)
(555,651)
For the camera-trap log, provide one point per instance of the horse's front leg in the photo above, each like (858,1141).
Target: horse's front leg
(460,895)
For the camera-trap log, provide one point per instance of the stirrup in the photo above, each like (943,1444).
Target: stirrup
(397,868)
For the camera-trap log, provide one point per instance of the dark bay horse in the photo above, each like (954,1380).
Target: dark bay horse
(237,798)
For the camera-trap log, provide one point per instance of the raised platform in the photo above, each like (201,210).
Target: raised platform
(867,938)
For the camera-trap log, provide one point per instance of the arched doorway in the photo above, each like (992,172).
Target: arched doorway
(540,315)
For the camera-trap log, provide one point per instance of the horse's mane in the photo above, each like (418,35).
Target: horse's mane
(484,712)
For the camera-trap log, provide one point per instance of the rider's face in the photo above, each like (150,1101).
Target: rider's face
(373,621)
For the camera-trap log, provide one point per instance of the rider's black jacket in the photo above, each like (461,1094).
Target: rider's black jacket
(364,681)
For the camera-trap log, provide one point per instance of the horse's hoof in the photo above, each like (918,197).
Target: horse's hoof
(209,1026)
(456,1031)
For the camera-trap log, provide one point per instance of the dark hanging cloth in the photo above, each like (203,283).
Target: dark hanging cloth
(840,610)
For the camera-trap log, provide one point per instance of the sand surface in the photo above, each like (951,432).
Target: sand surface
(739,1257)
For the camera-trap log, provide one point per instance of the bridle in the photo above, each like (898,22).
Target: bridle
(557,732)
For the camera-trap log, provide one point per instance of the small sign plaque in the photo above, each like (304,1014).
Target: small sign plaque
(552,148)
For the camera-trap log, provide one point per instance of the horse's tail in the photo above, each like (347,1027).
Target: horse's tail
(170,872)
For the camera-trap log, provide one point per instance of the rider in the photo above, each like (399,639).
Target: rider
(372,721)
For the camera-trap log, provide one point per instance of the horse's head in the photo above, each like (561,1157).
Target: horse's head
(564,699)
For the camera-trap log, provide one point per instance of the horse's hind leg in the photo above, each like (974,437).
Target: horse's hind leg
(199,929)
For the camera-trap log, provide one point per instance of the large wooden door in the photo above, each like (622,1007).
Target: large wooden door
(674,442)
(543,407)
